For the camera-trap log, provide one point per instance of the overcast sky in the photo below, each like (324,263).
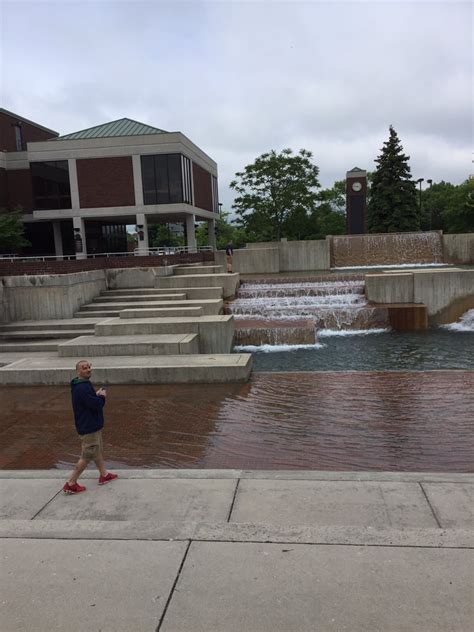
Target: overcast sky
(240,78)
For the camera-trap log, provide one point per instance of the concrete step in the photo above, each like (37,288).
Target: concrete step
(133,291)
(170,296)
(56,325)
(100,313)
(156,344)
(14,347)
(209,306)
(44,334)
(185,270)
(229,282)
(160,312)
(199,292)
(172,369)
(216,333)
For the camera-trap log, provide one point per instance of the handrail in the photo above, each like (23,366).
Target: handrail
(162,250)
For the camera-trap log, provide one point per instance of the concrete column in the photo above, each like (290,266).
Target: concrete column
(137,180)
(211,233)
(142,226)
(75,205)
(190,234)
(80,229)
(58,240)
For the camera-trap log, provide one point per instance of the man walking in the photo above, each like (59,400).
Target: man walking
(89,419)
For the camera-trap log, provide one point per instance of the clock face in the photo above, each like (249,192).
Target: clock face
(357,186)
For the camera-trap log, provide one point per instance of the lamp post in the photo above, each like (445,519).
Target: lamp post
(419,181)
(430,182)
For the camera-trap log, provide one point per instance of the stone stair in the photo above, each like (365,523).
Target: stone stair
(143,336)
(42,335)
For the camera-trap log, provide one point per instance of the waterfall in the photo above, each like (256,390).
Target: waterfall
(284,312)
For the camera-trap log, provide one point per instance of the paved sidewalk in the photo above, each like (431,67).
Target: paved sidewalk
(227,550)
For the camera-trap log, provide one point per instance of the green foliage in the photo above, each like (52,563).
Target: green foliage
(11,232)
(393,197)
(276,194)
(449,207)
(160,235)
(225,231)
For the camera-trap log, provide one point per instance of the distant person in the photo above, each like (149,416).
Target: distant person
(89,419)
(229,251)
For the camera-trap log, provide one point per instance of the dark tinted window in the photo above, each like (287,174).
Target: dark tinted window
(51,188)
(162,180)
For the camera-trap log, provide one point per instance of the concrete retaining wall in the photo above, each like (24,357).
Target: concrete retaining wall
(44,297)
(284,256)
(459,249)
(124,278)
(447,294)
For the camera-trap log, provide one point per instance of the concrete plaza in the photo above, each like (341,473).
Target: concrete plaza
(228,550)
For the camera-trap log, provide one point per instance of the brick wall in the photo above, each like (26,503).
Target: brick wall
(15,268)
(105,182)
(29,131)
(202,188)
(20,189)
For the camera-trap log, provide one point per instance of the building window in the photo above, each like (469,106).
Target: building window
(162,179)
(51,188)
(187,180)
(215,195)
(19,138)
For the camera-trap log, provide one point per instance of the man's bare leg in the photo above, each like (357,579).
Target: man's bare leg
(100,463)
(78,469)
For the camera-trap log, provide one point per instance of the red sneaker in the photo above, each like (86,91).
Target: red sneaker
(103,480)
(73,489)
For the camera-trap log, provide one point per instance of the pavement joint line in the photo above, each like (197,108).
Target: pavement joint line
(168,601)
(438,522)
(233,499)
(233,541)
(44,506)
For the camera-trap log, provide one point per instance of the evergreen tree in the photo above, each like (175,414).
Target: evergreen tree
(393,201)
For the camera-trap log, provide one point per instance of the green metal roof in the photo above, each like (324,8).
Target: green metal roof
(122,127)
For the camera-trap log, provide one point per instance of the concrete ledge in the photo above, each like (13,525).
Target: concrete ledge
(191,292)
(158,344)
(228,282)
(159,296)
(216,333)
(186,270)
(209,306)
(161,312)
(170,369)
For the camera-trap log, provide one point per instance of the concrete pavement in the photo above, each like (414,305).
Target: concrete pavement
(228,550)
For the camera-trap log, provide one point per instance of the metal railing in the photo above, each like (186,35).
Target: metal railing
(162,250)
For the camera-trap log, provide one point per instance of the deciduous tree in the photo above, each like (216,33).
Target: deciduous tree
(273,190)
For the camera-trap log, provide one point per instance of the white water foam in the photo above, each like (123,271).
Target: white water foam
(326,333)
(394,265)
(274,348)
(465,323)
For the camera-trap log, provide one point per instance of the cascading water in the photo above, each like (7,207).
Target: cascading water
(293,311)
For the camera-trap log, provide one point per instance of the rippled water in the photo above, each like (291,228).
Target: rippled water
(366,351)
(406,421)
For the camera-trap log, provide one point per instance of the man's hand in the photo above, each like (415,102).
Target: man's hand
(101,392)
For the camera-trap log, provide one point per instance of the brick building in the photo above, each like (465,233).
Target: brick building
(78,192)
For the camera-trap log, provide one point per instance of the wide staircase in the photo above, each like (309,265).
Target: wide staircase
(170,334)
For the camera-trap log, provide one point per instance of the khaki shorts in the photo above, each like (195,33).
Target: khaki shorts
(92,446)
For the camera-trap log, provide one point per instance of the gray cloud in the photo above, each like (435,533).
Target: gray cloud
(241,78)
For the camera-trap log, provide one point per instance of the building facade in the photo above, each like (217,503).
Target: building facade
(78,192)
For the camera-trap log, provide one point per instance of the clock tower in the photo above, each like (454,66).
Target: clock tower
(356,201)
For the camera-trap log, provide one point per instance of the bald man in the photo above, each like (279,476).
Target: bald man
(88,407)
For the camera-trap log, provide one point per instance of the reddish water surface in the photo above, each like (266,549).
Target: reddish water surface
(411,421)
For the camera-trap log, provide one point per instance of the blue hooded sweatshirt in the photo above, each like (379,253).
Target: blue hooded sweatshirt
(87,407)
